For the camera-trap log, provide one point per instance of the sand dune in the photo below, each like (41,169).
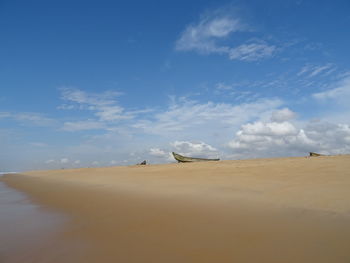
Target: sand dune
(263,210)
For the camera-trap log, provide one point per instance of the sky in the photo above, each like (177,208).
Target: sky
(103,83)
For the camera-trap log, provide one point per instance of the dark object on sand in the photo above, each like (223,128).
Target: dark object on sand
(184,159)
(312,154)
(142,163)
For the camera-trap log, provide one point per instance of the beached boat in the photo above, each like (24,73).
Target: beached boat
(184,159)
(312,154)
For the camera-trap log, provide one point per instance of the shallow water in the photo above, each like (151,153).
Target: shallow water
(24,226)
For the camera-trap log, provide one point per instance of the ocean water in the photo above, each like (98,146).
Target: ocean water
(24,226)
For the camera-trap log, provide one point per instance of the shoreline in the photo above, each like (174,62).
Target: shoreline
(262,210)
(25,227)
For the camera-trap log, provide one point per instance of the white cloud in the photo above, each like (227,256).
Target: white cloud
(94,99)
(50,161)
(330,138)
(157,152)
(283,115)
(104,105)
(194,149)
(83,125)
(237,91)
(202,37)
(340,92)
(77,162)
(207,35)
(112,113)
(64,160)
(269,139)
(188,148)
(31,118)
(35,118)
(161,154)
(191,116)
(252,51)
(270,128)
(266,139)
(314,70)
(223,86)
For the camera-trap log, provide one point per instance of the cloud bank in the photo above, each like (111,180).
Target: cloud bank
(271,139)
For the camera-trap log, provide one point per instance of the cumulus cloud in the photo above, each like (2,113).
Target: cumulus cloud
(64,160)
(160,154)
(283,115)
(194,149)
(50,161)
(206,37)
(266,129)
(157,152)
(269,139)
(189,148)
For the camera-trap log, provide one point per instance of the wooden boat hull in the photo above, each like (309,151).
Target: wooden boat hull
(184,159)
(312,154)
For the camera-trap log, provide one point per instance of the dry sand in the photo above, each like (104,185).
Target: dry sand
(264,210)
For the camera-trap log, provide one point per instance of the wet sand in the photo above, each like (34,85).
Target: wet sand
(264,210)
(24,227)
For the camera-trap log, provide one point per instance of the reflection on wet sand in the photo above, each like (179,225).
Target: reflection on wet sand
(25,228)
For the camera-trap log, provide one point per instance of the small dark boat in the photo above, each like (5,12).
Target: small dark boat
(312,154)
(184,159)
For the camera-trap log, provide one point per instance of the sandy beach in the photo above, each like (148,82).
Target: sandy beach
(262,210)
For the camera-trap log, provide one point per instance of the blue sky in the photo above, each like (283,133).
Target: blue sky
(98,83)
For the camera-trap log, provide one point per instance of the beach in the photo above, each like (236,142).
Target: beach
(261,210)
(24,227)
